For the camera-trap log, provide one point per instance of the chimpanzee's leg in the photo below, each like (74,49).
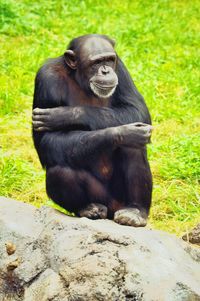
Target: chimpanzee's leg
(131,187)
(77,191)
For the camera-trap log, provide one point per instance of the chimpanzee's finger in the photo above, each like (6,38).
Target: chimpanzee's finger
(39,111)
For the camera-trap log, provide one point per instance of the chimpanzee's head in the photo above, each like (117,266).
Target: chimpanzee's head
(93,61)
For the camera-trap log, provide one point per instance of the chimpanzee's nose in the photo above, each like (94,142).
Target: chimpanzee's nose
(104,70)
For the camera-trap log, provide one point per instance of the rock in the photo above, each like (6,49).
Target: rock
(193,236)
(48,286)
(13,264)
(63,258)
(10,248)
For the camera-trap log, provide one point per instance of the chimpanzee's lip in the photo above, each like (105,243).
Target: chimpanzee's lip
(102,92)
(104,87)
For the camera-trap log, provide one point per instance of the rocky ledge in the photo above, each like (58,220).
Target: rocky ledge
(46,255)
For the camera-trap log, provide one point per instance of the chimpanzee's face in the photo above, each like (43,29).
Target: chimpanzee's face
(95,66)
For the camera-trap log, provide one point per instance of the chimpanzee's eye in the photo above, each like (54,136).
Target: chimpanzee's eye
(111,59)
(97,62)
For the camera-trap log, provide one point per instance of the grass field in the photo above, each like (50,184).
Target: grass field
(159,42)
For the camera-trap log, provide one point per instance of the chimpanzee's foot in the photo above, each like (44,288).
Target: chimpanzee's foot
(94,211)
(130,217)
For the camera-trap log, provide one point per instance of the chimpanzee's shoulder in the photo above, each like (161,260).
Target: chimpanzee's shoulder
(54,67)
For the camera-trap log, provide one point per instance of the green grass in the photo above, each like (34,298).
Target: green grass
(158,41)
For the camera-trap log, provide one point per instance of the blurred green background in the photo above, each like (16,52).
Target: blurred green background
(158,41)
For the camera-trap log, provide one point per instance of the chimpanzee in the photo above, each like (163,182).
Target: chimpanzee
(90,129)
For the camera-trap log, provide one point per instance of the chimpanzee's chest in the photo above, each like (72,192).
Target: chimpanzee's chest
(101,164)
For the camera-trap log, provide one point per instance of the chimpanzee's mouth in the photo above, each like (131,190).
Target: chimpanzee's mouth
(104,87)
(102,91)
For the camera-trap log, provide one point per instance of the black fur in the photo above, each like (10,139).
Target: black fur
(81,138)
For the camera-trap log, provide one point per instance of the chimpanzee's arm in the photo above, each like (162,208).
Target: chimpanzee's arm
(76,148)
(128,106)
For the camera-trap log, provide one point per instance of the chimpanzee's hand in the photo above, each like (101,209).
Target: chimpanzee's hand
(48,119)
(133,135)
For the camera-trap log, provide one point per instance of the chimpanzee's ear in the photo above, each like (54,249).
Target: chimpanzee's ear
(70,59)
